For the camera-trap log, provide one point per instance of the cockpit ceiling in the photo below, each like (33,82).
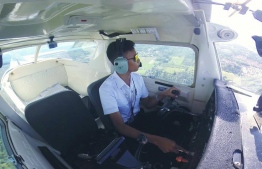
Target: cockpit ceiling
(41,18)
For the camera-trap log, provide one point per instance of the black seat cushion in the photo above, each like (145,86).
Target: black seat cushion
(62,120)
(93,93)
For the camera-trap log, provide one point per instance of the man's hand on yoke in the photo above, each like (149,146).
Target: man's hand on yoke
(168,92)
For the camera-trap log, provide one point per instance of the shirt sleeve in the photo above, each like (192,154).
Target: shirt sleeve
(144,90)
(108,100)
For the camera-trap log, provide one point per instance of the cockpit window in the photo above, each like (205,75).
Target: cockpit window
(175,64)
(19,56)
(6,159)
(241,66)
(80,51)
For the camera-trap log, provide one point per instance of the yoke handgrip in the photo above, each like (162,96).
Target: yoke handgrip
(175,92)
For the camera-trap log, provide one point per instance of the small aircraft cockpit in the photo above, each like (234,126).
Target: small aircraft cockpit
(53,59)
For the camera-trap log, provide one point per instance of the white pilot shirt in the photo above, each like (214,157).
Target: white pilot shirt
(117,96)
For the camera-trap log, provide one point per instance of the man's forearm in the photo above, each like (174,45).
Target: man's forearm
(128,131)
(134,133)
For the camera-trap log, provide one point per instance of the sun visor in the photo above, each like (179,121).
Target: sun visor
(136,34)
(78,20)
(139,37)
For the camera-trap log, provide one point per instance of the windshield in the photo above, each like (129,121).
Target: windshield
(241,66)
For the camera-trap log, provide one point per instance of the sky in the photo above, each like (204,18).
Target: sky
(245,25)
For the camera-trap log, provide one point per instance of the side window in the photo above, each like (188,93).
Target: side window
(14,58)
(240,66)
(6,159)
(81,51)
(6,63)
(174,64)
(19,56)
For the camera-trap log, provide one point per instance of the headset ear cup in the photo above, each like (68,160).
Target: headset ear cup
(121,65)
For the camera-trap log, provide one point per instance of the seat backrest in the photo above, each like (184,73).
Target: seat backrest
(62,120)
(28,81)
(93,93)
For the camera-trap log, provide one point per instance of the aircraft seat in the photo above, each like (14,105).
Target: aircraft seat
(66,124)
(62,120)
(93,93)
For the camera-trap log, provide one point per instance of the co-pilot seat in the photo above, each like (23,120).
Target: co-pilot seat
(64,122)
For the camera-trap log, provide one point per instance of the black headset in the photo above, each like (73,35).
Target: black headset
(120,63)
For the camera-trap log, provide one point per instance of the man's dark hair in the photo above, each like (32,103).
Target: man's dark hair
(112,50)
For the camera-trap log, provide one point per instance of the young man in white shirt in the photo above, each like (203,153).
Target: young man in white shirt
(120,95)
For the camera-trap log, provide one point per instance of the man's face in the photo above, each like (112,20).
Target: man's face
(133,60)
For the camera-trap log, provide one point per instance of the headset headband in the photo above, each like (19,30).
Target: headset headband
(119,46)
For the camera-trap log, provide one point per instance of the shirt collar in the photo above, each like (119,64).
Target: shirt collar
(119,82)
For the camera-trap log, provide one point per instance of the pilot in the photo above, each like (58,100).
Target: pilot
(121,94)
